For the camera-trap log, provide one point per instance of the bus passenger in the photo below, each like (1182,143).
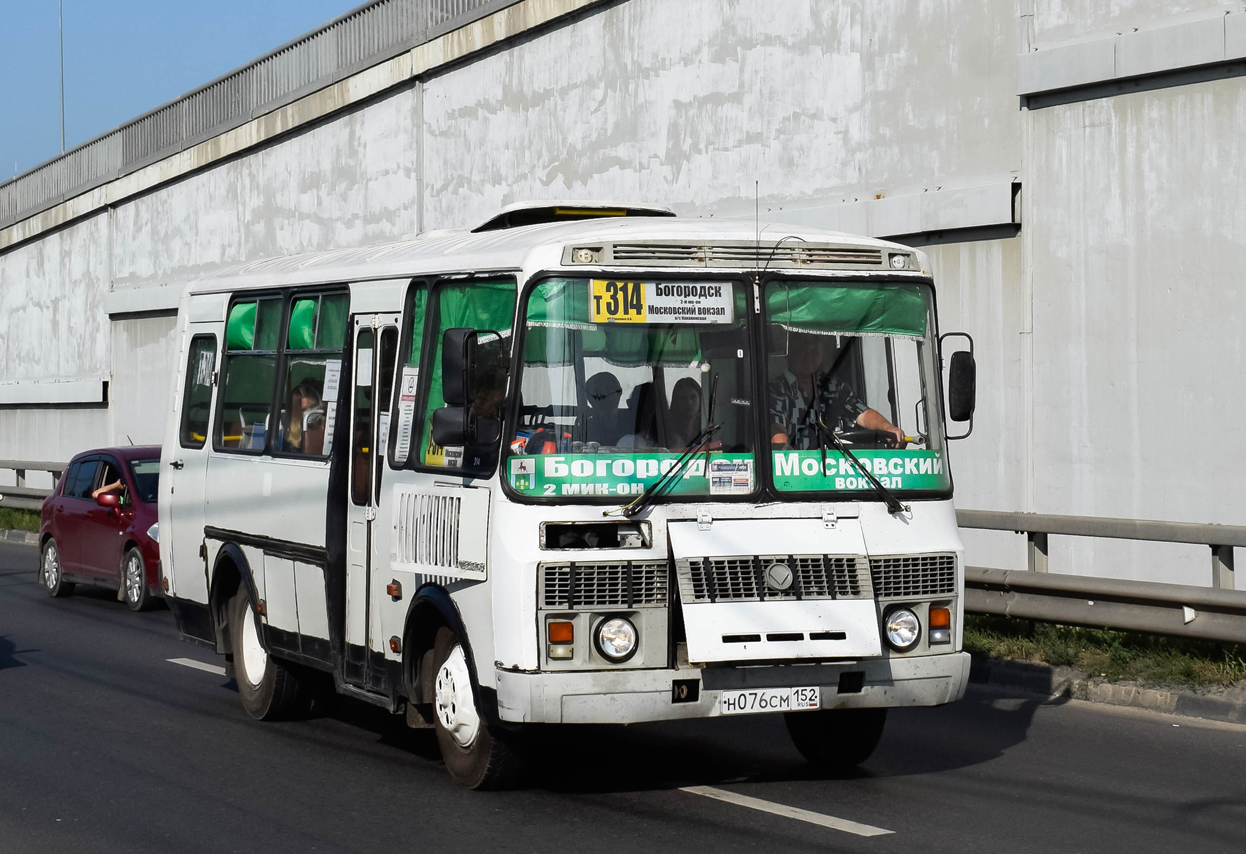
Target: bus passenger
(685,413)
(304,432)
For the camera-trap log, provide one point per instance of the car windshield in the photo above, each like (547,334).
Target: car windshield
(853,365)
(618,381)
(146,479)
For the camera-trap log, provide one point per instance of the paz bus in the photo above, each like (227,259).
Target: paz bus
(584,463)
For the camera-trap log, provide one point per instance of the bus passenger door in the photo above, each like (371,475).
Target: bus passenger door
(374,340)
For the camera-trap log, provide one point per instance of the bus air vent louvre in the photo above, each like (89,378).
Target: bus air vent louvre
(583,586)
(792,254)
(906,576)
(428,530)
(741,579)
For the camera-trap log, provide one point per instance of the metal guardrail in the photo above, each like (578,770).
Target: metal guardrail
(1215,613)
(371,33)
(24,497)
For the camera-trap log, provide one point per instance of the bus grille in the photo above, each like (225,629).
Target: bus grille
(625,584)
(742,579)
(905,576)
(427,530)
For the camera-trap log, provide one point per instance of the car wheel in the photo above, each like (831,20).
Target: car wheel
(476,755)
(134,580)
(270,689)
(50,571)
(836,739)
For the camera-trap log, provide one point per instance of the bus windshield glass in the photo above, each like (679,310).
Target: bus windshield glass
(853,366)
(620,378)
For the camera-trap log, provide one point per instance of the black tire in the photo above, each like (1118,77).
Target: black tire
(837,740)
(487,760)
(52,573)
(270,689)
(134,581)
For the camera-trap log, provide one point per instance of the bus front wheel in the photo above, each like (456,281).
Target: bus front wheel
(476,755)
(836,739)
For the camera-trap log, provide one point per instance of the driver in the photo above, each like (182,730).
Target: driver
(793,417)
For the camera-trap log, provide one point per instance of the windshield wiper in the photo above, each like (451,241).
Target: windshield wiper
(660,486)
(893,503)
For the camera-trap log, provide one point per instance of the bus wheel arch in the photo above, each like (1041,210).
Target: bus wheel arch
(230,572)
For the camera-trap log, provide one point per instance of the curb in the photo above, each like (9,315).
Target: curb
(1227,705)
(27,537)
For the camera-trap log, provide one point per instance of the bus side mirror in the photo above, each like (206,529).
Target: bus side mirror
(458,366)
(962,386)
(459,425)
(962,383)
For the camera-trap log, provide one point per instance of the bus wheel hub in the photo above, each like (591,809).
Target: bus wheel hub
(455,707)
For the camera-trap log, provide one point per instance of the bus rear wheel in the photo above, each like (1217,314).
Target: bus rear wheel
(270,689)
(476,755)
(836,740)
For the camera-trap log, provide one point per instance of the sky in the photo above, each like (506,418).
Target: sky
(123,58)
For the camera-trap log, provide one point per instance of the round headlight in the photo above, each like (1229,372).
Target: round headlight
(616,639)
(902,628)
(899,262)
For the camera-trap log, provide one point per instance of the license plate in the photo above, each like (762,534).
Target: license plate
(770,700)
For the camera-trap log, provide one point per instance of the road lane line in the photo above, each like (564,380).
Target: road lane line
(197,665)
(786,811)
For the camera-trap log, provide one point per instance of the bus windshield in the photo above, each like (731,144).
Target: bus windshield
(853,366)
(619,378)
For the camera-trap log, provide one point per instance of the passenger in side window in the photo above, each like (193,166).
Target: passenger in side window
(304,432)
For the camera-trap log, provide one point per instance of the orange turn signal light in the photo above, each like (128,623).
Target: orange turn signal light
(561,631)
(940,618)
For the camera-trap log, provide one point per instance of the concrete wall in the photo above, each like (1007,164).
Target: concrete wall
(1107,327)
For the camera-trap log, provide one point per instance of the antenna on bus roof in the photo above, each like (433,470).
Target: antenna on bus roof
(128,439)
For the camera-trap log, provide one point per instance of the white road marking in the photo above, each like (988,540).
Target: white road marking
(198,665)
(786,811)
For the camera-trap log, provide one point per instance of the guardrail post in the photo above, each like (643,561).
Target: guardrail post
(1222,568)
(1036,549)
(21,476)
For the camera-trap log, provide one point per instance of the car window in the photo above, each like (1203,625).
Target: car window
(146,478)
(110,476)
(80,479)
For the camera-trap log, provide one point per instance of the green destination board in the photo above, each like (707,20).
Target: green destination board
(801,471)
(627,475)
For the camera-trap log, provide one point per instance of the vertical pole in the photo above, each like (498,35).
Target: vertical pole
(1036,551)
(1222,568)
(21,477)
(60,6)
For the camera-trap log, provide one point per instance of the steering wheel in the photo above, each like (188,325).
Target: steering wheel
(864,436)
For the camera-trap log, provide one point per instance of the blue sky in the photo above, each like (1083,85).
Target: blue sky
(123,58)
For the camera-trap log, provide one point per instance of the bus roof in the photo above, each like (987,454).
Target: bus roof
(642,242)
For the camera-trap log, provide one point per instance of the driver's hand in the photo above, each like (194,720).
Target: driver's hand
(899,438)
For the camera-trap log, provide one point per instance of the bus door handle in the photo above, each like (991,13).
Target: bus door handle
(177,464)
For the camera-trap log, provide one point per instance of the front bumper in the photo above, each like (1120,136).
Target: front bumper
(635,696)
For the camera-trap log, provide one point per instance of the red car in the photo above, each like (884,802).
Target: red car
(99,526)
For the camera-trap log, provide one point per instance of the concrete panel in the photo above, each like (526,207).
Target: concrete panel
(1069,20)
(1138,310)
(1235,36)
(1166,48)
(1066,66)
(52,391)
(160,297)
(50,433)
(941,210)
(800,101)
(143,369)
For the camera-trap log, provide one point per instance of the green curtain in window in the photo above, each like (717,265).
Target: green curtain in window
(240,329)
(882,309)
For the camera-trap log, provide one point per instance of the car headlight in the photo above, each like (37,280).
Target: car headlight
(615,639)
(902,629)
(154,532)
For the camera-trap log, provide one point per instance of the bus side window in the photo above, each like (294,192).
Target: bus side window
(250,370)
(482,305)
(409,377)
(197,399)
(384,398)
(313,363)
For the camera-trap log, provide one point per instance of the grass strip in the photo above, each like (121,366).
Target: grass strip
(12,519)
(1152,660)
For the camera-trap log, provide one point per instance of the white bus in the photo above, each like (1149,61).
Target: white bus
(582,464)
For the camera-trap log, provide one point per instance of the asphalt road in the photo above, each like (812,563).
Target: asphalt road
(107,746)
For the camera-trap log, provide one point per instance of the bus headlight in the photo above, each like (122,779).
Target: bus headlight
(902,629)
(615,639)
